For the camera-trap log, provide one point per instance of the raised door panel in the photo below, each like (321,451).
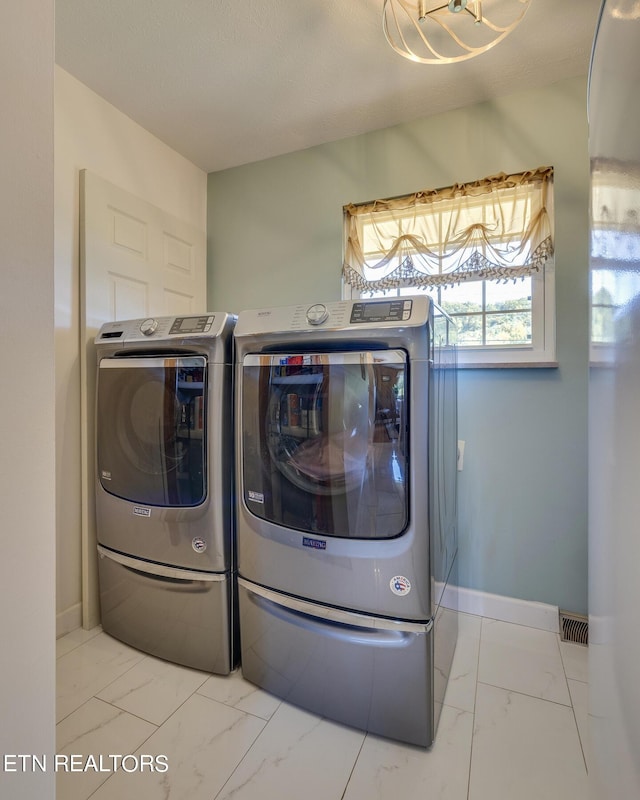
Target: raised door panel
(136,260)
(128,298)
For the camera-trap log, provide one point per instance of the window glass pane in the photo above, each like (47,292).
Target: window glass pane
(464,298)
(603,324)
(505,329)
(609,287)
(382,293)
(508,296)
(602,307)
(469,329)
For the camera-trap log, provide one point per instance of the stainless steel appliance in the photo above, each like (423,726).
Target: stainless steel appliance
(164,507)
(346,509)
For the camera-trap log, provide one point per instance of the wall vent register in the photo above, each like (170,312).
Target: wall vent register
(574,628)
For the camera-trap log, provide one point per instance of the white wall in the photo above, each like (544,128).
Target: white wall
(90,133)
(26,402)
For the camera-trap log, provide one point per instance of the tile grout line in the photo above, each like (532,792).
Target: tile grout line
(142,743)
(234,706)
(475,699)
(346,786)
(76,645)
(102,688)
(582,750)
(531,696)
(573,708)
(158,727)
(246,753)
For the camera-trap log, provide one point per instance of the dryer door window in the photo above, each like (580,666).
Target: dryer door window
(151,429)
(324,442)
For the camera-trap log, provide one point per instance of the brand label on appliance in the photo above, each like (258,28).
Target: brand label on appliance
(141,511)
(257,497)
(199,545)
(317,544)
(106,475)
(400,585)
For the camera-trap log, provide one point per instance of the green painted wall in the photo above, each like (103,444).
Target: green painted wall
(275,238)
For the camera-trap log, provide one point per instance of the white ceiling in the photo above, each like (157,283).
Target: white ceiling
(227,82)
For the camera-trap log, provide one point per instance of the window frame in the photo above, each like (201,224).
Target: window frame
(541,352)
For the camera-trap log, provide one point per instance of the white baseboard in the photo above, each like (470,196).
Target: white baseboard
(68,620)
(507,609)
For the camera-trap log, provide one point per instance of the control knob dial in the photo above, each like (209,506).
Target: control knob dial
(149,326)
(317,314)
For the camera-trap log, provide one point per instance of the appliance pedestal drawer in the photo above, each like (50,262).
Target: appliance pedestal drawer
(176,614)
(369,673)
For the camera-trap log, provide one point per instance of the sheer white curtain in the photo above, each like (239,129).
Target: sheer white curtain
(496,228)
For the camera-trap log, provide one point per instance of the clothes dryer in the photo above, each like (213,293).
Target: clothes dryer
(164,482)
(346,509)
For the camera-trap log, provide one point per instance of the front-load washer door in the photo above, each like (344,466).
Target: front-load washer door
(151,429)
(324,447)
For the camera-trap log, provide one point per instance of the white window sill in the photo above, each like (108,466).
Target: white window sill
(507,364)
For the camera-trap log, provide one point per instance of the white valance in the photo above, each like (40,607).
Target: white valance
(496,228)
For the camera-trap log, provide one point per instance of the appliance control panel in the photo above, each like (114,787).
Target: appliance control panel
(385,311)
(318,315)
(160,328)
(191,325)
(335,315)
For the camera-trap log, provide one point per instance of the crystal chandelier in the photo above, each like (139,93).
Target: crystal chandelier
(449,32)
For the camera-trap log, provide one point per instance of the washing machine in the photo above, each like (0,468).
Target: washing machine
(346,509)
(164,487)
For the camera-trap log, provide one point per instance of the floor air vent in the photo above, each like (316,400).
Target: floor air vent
(574,628)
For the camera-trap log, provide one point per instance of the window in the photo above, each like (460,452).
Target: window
(603,306)
(483,251)
(615,253)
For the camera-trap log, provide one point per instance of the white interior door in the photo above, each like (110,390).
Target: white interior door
(136,260)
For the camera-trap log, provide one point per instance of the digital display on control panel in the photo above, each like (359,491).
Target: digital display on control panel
(388,311)
(377,310)
(191,324)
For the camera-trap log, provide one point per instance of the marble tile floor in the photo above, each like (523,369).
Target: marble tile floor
(513,726)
